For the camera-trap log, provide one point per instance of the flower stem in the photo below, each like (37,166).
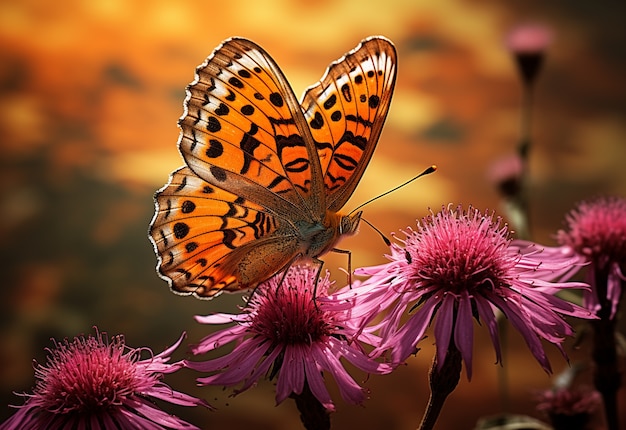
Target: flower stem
(503,374)
(442,382)
(313,414)
(607,377)
(523,149)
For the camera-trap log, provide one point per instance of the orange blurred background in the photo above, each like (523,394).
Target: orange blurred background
(90,95)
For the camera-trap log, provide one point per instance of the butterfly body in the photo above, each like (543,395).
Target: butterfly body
(266,175)
(302,240)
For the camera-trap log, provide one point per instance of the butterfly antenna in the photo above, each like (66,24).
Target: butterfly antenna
(428,171)
(383,237)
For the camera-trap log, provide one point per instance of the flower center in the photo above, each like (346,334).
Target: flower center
(598,230)
(86,376)
(460,252)
(289,315)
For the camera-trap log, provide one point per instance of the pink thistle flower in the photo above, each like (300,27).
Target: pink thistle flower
(569,408)
(529,38)
(528,44)
(100,384)
(285,331)
(459,265)
(597,232)
(506,173)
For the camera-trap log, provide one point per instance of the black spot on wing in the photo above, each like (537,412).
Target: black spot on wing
(276,99)
(330,102)
(222,110)
(374,101)
(213,125)
(181,230)
(317,122)
(235,82)
(187,207)
(247,110)
(218,173)
(347,94)
(215,149)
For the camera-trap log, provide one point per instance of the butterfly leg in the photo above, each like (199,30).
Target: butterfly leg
(316,261)
(346,251)
(249,298)
(320,264)
(282,273)
(285,269)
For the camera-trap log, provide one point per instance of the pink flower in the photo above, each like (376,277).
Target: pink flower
(461,265)
(597,231)
(286,332)
(569,401)
(506,173)
(529,38)
(528,43)
(100,384)
(569,408)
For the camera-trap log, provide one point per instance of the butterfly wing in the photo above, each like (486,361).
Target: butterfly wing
(243,131)
(244,138)
(346,111)
(208,239)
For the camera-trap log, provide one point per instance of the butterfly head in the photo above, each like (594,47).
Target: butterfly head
(349,223)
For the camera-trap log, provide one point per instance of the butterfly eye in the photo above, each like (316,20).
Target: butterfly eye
(349,224)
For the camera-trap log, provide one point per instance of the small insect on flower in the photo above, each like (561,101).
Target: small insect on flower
(97,383)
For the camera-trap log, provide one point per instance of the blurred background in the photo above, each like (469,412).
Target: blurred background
(90,92)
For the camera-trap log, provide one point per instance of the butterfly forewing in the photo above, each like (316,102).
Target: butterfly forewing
(346,111)
(266,175)
(241,131)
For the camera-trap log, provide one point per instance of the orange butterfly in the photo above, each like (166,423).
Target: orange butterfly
(265,176)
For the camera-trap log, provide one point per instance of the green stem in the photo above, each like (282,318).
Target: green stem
(503,376)
(442,382)
(607,377)
(523,150)
(313,414)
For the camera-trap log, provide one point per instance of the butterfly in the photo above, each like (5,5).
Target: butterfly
(266,175)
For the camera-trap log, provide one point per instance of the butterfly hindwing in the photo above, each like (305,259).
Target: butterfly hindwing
(196,229)
(346,111)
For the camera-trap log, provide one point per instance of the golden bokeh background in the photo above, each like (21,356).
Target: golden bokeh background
(90,94)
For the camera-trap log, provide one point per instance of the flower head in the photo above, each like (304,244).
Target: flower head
(459,265)
(529,38)
(597,232)
(528,43)
(100,384)
(569,408)
(506,173)
(286,331)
